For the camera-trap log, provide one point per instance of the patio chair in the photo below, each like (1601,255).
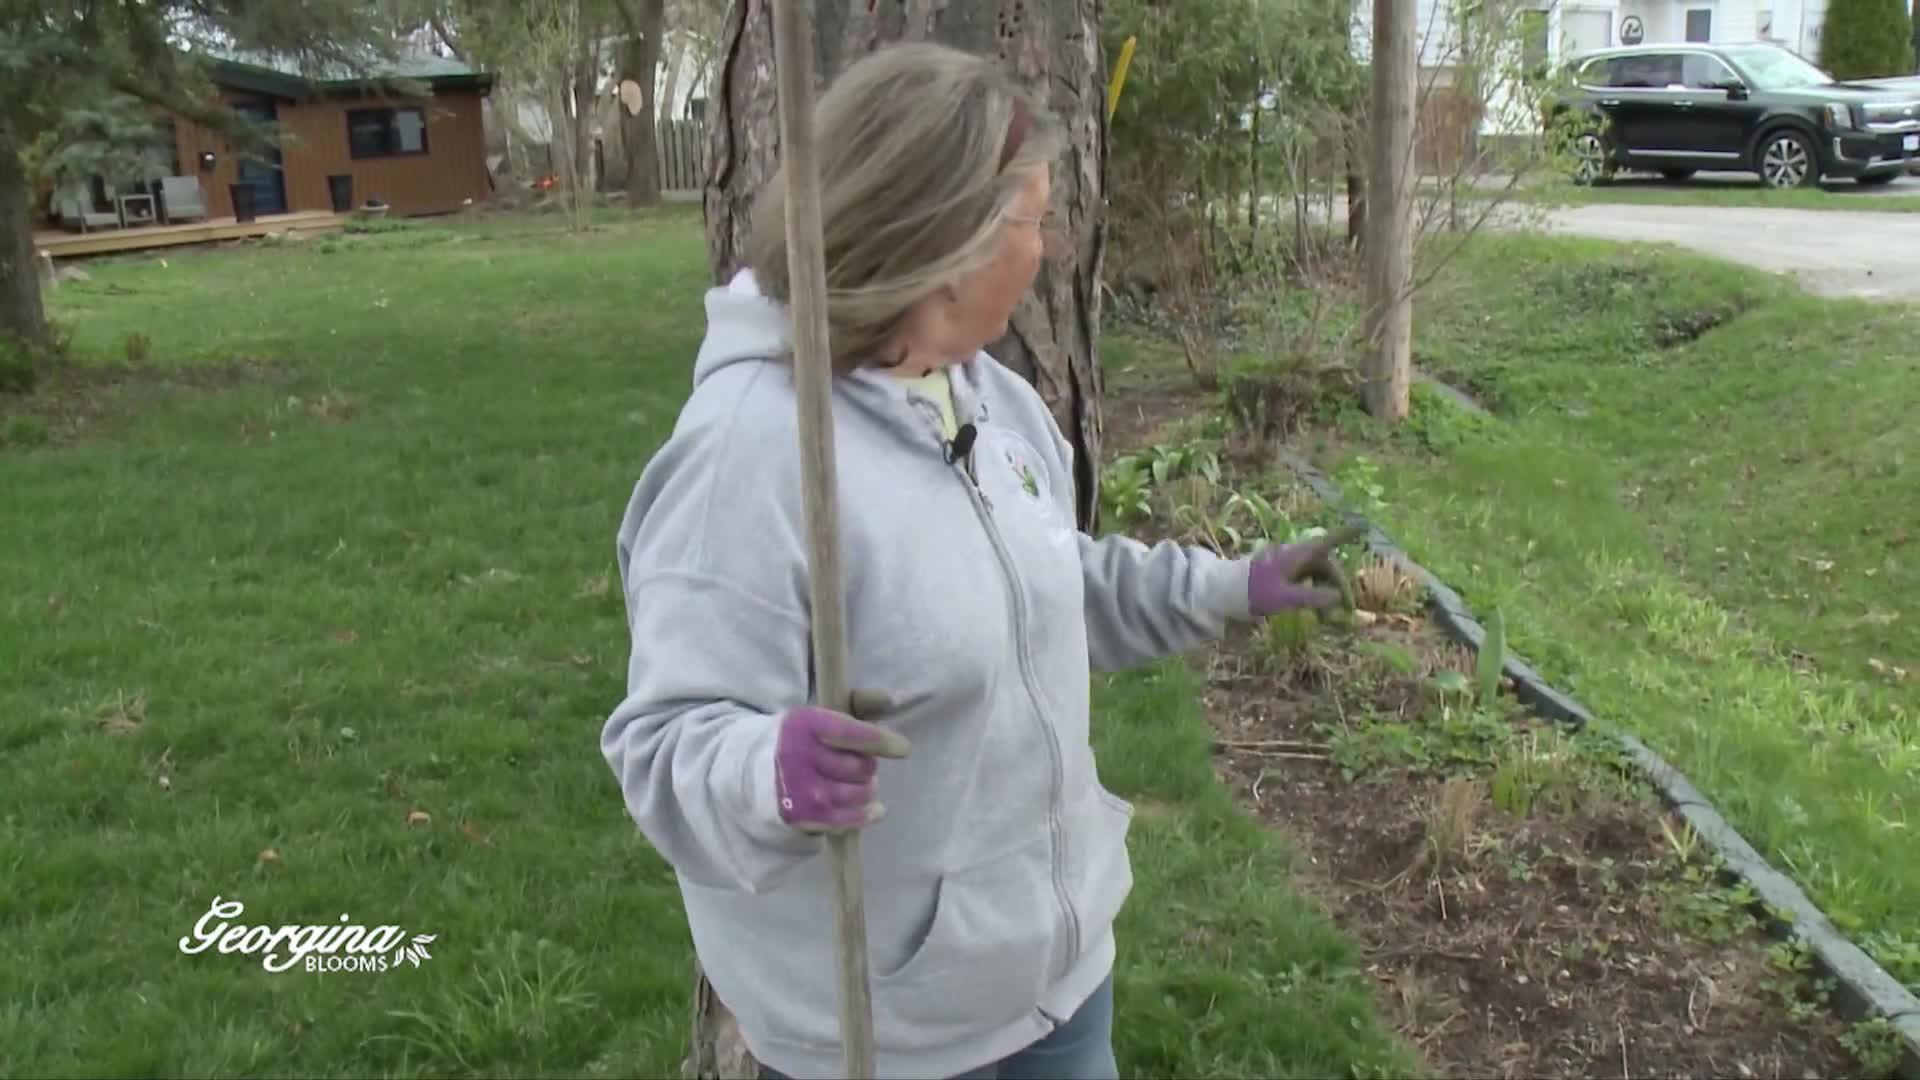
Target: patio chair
(181,199)
(77,210)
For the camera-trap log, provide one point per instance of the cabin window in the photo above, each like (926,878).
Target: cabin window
(377,133)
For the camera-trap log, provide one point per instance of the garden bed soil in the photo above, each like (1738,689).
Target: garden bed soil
(1577,939)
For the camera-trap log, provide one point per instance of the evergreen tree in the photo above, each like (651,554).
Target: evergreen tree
(1866,38)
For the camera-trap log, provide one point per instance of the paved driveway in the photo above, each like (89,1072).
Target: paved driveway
(1869,254)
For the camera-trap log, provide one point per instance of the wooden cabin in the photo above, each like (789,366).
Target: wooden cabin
(346,143)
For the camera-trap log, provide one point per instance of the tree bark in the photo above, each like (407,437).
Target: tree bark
(1916,36)
(586,80)
(1390,182)
(640,61)
(1054,47)
(23,316)
(670,86)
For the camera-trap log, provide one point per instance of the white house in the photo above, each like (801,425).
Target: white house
(1555,29)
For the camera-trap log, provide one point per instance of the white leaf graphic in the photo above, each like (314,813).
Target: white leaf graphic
(423,939)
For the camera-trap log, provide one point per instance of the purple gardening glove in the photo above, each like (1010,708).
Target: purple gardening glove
(823,764)
(1276,579)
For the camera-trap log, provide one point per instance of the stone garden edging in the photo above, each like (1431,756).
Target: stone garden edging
(1863,987)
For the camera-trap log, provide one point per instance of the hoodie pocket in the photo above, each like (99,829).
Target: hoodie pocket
(986,957)
(1102,876)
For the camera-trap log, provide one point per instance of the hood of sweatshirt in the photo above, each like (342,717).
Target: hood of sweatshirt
(746,327)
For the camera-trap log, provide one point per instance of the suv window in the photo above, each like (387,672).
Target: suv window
(1703,72)
(1647,71)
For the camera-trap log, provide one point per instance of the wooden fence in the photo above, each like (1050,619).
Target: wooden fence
(682,149)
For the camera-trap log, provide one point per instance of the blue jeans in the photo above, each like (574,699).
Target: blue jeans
(1080,1049)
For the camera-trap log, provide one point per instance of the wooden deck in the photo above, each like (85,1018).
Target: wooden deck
(61,245)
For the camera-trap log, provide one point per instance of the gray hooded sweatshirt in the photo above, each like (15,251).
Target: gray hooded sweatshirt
(993,881)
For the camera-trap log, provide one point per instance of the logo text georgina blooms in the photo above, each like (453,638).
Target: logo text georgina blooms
(343,947)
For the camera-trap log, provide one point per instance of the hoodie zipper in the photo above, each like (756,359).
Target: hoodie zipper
(983,507)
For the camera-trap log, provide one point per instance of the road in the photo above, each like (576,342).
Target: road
(1869,254)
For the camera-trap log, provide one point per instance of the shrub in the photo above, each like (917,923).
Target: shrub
(1863,39)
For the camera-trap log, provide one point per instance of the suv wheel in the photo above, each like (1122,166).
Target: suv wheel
(1787,160)
(1590,164)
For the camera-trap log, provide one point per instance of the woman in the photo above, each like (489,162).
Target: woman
(973,604)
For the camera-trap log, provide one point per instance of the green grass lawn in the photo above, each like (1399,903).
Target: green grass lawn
(327,623)
(1697,510)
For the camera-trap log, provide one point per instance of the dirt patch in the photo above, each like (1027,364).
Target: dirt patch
(75,401)
(1526,909)
(1675,329)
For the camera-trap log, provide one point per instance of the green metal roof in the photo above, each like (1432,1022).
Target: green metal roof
(284,75)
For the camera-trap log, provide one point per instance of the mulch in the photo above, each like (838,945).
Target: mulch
(1556,942)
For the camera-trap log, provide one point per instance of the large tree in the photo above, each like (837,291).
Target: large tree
(58,60)
(644,23)
(1054,48)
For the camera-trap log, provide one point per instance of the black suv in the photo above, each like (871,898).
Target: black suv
(1676,109)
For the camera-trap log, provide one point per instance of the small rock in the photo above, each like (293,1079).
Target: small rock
(269,856)
(1522,980)
(419,817)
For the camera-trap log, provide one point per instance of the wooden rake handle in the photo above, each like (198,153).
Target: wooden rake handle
(793,64)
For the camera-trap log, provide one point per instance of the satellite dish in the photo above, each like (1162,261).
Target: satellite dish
(631,97)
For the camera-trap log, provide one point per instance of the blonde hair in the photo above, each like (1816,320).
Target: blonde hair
(922,149)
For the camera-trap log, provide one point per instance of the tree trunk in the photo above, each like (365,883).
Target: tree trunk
(1390,183)
(670,86)
(586,80)
(1053,47)
(23,317)
(640,61)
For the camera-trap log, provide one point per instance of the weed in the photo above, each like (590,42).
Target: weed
(137,348)
(1437,424)
(1683,842)
(1269,399)
(1528,774)
(1359,482)
(1384,586)
(1697,902)
(1368,748)
(1450,821)
(1876,1045)
(1285,636)
(24,431)
(1492,659)
(1898,953)
(1126,492)
(1397,658)
(1247,522)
